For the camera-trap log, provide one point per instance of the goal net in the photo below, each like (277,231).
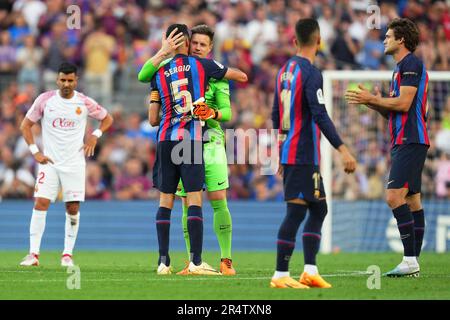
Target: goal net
(359,219)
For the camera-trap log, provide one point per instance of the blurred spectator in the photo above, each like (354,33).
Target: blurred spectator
(29,60)
(32,10)
(373,51)
(260,32)
(133,184)
(326,23)
(98,50)
(267,188)
(19,30)
(57,49)
(96,188)
(344,47)
(16,182)
(7,55)
(443,175)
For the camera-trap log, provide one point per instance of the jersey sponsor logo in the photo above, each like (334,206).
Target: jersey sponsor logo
(320,98)
(64,123)
(410,73)
(78,111)
(182,68)
(219,64)
(185,118)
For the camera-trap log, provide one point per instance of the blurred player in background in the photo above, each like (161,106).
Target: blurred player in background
(175,88)
(406,109)
(299,114)
(63,114)
(216,168)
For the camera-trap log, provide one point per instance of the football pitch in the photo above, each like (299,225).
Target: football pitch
(131,275)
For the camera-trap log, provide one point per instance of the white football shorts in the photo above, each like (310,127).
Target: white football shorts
(71,180)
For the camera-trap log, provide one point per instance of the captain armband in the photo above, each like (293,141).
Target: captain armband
(154,97)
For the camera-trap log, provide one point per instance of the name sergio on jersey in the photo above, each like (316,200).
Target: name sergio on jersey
(65,124)
(176,69)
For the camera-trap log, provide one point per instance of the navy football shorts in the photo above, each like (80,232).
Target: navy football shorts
(407,165)
(168,170)
(302,182)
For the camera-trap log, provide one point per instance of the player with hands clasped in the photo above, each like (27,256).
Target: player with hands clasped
(407,111)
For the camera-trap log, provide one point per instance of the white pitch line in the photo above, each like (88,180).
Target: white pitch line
(162,278)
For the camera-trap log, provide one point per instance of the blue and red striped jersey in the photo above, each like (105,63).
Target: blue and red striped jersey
(410,127)
(299,113)
(179,83)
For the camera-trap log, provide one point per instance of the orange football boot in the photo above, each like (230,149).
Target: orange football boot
(226,267)
(315,281)
(286,282)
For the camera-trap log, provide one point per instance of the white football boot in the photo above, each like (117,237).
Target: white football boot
(163,269)
(67,261)
(30,260)
(405,269)
(203,269)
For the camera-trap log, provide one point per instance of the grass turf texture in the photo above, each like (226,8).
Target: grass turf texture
(131,275)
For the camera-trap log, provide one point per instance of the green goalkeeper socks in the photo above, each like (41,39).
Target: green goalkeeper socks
(185,231)
(222,226)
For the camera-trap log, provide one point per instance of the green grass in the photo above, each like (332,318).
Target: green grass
(131,275)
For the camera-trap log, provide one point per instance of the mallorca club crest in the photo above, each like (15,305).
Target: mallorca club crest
(78,111)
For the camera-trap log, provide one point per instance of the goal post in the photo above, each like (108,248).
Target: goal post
(330,78)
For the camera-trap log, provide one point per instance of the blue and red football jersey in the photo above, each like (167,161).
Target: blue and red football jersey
(299,113)
(410,127)
(179,83)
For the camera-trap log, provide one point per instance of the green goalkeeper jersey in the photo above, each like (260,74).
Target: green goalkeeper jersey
(217,97)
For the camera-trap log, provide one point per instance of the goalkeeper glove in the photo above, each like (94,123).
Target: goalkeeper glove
(203,112)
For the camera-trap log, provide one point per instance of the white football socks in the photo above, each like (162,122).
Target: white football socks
(37,227)
(281,274)
(311,269)
(72,225)
(410,260)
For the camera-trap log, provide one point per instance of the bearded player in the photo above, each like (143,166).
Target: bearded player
(63,114)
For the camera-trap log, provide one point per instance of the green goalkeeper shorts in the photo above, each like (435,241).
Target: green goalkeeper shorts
(216,168)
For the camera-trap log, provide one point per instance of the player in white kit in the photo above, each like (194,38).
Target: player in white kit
(63,114)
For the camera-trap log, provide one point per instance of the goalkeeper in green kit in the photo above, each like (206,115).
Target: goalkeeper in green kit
(216,170)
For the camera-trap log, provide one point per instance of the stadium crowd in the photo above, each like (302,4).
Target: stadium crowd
(117,36)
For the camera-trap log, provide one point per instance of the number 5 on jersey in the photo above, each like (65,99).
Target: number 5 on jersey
(185,95)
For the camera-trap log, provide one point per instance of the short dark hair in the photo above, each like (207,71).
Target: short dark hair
(67,68)
(181,28)
(305,29)
(203,29)
(406,29)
